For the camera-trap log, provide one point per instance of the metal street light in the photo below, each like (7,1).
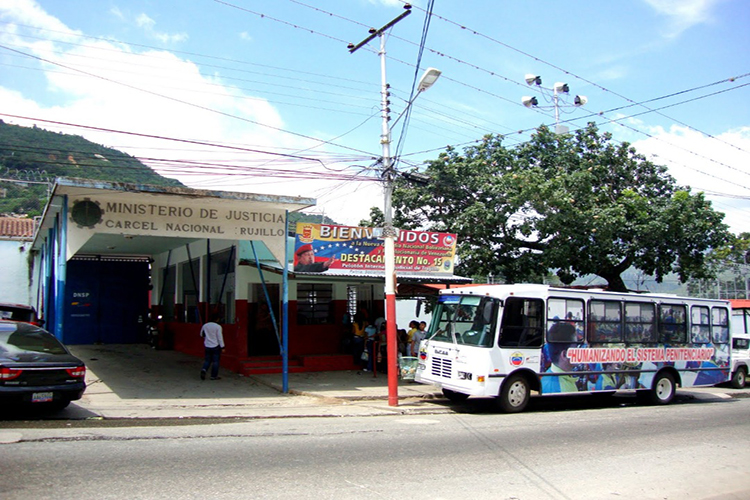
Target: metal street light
(389,232)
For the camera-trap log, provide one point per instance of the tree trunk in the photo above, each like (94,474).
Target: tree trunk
(615,283)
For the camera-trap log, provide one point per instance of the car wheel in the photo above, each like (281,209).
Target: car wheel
(739,377)
(455,397)
(663,390)
(514,394)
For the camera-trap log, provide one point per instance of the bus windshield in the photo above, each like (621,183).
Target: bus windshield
(467,319)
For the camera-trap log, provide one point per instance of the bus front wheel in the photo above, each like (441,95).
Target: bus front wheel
(514,394)
(739,378)
(663,390)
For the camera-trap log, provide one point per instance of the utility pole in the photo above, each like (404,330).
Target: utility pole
(389,232)
(429,77)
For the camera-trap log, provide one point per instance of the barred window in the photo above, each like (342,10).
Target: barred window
(314,304)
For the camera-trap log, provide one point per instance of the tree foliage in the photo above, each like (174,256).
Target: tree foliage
(578,204)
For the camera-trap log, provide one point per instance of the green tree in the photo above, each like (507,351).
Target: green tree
(578,204)
(729,265)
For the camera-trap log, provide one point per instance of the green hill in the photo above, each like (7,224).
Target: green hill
(31,158)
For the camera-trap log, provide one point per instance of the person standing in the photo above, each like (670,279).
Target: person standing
(213,342)
(371,344)
(358,339)
(418,337)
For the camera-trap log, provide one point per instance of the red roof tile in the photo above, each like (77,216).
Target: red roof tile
(16,227)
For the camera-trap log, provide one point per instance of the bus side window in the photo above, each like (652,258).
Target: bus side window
(672,324)
(700,329)
(605,321)
(566,311)
(522,323)
(640,323)
(720,325)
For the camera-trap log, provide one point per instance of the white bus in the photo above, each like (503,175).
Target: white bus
(740,342)
(506,341)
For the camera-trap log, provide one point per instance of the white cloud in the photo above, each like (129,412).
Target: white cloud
(27,12)
(711,171)
(117,13)
(683,14)
(158,93)
(148,24)
(144,21)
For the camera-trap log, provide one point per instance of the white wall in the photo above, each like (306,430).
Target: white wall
(14,272)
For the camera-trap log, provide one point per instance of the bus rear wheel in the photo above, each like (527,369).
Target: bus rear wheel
(663,390)
(739,378)
(514,394)
(455,397)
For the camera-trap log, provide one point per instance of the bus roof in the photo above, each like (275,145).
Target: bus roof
(546,290)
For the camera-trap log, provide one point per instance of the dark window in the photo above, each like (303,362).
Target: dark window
(523,322)
(190,273)
(17,313)
(640,323)
(314,304)
(564,320)
(605,321)
(672,324)
(720,324)
(700,329)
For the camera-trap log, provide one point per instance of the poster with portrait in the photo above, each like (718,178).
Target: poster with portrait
(320,247)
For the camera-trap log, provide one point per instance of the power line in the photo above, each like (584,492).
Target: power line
(181,101)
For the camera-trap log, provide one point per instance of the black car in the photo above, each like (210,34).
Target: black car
(19,312)
(35,368)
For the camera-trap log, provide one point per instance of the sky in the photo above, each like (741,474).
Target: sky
(264,96)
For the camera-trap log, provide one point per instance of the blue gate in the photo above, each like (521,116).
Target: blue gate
(104,300)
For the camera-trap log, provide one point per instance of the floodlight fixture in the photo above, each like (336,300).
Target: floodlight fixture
(580,100)
(429,77)
(561,87)
(533,79)
(529,101)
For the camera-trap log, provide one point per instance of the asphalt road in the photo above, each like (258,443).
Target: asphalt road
(696,450)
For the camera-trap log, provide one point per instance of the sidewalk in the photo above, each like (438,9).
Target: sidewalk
(136,382)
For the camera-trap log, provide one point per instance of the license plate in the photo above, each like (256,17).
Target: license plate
(41,397)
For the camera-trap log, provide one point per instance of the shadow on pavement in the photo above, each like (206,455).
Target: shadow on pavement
(136,371)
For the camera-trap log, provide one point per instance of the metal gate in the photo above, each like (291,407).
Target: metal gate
(104,299)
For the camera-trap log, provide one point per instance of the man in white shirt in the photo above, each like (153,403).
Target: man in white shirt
(213,341)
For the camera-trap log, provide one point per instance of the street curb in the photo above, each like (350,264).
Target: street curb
(343,399)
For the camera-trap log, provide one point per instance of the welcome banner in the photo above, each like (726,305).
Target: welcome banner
(319,247)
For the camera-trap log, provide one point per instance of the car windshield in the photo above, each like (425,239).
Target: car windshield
(465,319)
(21,337)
